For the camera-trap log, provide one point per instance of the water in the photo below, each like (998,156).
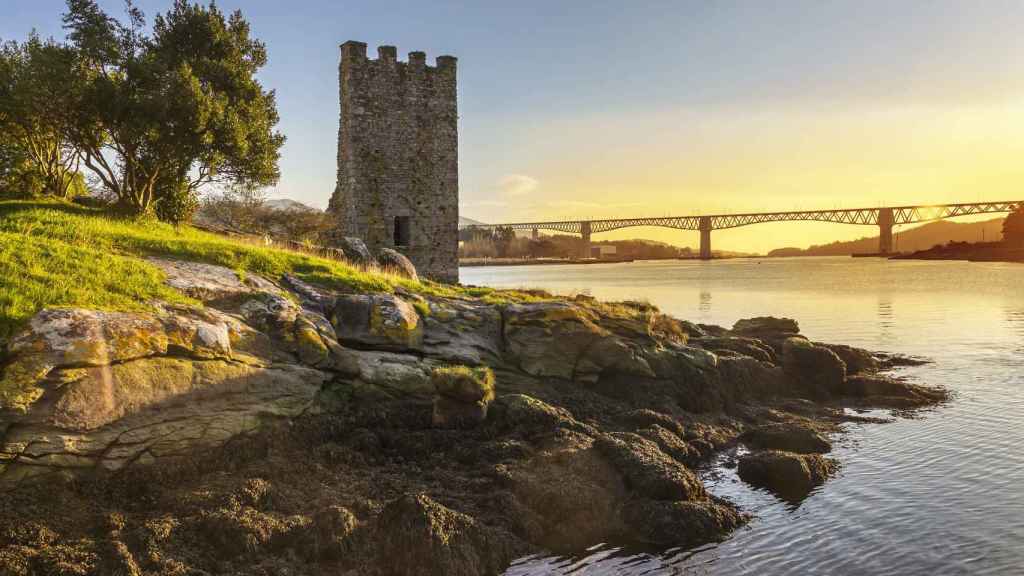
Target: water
(941,493)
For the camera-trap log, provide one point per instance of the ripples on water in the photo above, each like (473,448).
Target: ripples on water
(941,493)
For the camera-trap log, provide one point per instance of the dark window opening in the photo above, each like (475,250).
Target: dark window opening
(402,232)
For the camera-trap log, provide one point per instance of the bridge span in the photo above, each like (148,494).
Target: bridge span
(885,218)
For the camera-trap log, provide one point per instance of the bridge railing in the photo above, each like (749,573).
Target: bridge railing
(858,216)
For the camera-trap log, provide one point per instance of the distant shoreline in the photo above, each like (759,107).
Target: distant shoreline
(484,262)
(973,252)
(481,262)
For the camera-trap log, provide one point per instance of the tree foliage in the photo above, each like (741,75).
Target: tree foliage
(36,155)
(159,115)
(1013,226)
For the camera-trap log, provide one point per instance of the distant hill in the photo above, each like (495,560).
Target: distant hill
(288,204)
(920,238)
(463,221)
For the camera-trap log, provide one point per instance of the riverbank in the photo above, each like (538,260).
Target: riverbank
(478,262)
(265,423)
(971,251)
(484,262)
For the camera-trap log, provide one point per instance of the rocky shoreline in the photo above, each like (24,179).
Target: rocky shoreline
(284,429)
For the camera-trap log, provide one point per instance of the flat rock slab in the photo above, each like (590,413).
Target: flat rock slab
(209,282)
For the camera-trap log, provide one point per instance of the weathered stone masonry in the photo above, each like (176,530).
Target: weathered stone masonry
(398,175)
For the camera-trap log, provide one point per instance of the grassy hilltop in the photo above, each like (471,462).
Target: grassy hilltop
(55,253)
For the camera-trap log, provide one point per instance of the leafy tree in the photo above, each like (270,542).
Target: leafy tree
(161,115)
(503,238)
(35,116)
(1013,227)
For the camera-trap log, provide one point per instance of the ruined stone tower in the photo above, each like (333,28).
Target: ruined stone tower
(398,166)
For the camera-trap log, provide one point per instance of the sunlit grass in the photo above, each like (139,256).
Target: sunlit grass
(61,254)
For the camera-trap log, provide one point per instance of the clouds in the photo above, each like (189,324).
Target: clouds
(508,190)
(517,184)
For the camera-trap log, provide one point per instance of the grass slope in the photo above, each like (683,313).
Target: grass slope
(61,254)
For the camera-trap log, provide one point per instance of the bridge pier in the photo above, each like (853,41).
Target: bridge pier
(585,243)
(705,238)
(535,234)
(885,225)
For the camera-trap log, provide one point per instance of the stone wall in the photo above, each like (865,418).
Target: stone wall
(398,156)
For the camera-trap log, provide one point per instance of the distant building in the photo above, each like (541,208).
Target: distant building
(398,171)
(603,251)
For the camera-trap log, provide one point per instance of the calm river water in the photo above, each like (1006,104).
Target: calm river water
(942,493)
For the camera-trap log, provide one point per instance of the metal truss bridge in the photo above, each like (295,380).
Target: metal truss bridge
(885,218)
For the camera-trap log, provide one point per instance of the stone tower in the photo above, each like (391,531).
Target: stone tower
(398,164)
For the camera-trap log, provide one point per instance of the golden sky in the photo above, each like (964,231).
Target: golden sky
(678,162)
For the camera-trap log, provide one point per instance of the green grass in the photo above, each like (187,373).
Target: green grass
(61,254)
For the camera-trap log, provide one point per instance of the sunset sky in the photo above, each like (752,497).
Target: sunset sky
(614,109)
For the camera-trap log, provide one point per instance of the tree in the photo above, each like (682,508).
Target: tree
(1013,227)
(160,116)
(35,118)
(237,208)
(503,238)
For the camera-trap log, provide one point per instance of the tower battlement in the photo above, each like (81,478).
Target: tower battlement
(398,156)
(357,52)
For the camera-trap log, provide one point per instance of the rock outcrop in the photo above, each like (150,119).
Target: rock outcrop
(493,429)
(786,436)
(792,476)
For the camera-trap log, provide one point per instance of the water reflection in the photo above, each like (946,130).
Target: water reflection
(1015,321)
(886,321)
(705,302)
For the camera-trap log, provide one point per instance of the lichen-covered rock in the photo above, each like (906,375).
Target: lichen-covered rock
(71,337)
(647,470)
(683,524)
(820,371)
(146,410)
(786,436)
(787,474)
(416,536)
(464,383)
(75,337)
(563,340)
(386,376)
(766,325)
(396,263)
(464,395)
(379,321)
(462,331)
